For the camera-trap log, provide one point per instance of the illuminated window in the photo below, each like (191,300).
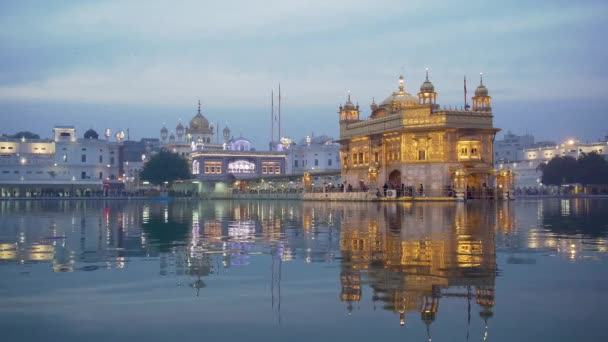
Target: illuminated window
(271,168)
(212,167)
(241,166)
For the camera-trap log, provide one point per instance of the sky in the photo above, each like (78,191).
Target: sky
(138,64)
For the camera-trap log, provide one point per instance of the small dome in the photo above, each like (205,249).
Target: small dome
(349,105)
(481,91)
(172,137)
(373,106)
(427,87)
(180,126)
(226,129)
(164,130)
(91,134)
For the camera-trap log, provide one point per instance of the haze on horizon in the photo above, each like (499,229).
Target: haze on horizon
(138,64)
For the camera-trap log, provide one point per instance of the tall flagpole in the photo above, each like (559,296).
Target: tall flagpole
(279,112)
(271,118)
(465,93)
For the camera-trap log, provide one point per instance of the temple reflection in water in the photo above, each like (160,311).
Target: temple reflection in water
(405,258)
(412,256)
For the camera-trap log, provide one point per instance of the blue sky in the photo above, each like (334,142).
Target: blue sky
(137,64)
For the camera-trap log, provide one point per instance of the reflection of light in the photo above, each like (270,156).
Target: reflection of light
(241,229)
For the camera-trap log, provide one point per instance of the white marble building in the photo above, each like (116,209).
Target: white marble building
(64,164)
(527,172)
(313,154)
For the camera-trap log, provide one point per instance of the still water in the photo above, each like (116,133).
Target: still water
(304,271)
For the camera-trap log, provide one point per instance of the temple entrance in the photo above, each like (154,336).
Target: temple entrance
(394,179)
(480,185)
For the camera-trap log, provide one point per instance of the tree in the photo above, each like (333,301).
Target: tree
(26,135)
(166,167)
(593,169)
(560,170)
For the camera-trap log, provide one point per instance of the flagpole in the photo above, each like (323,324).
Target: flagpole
(279,112)
(465,92)
(271,118)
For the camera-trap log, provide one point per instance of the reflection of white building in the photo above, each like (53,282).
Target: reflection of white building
(62,165)
(314,154)
(527,171)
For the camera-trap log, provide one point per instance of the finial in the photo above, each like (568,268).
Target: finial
(348,95)
(481,78)
(199,106)
(427,74)
(373,100)
(401,83)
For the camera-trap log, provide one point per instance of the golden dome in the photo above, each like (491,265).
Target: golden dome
(400,98)
(199,124)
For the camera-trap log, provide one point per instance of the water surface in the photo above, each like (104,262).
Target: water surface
(302,271)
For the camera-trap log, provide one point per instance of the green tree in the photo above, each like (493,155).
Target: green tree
(560,170)
(593,169)
(166,167)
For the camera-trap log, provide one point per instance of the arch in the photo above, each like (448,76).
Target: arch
(394,178)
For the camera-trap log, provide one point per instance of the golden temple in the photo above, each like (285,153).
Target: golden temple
(409,141)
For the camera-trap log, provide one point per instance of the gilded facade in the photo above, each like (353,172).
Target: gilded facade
(410,141)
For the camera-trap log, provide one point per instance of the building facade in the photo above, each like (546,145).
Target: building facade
(313,154)
(511,147)
(527,171)
(411,141)
(215,161)
(64,165)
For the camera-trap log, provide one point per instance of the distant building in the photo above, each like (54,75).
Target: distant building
(527,171)
(214,161)
(314,154)
(64,165)
(511,147)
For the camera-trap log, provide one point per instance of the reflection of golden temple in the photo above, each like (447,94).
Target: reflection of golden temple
(410,265)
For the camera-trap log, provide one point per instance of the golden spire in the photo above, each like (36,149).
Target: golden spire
(199,107)
(481,78)
(401,84)
(427,74)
